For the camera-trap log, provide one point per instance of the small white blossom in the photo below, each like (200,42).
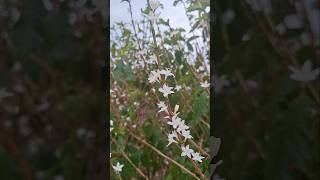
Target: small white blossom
(182,126)
(47,5)
(171,137)
(191,60)
(186,133)
(228,16)
(152,60)
(4,93)
(205,84)
(305,74)
(81,132)
(201,68)
(153,17)
(118,167)
(186,151)
(154,4)
(166,73)
(166,90)
(293,21)
(176,109)
(175,121)
(197,157)
(111,124)
(42,106)
(178,87)
(220,82)
(281,28)
(162,106)
(154,76)
(261,5)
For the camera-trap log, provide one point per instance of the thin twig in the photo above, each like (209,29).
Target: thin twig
(163,155)
(135,167)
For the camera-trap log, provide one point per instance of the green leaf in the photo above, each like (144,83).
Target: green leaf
(190,47)
(178,56)
(195,25)
(194,7)
(192,38)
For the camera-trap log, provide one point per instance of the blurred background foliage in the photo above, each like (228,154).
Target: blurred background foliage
(268,122)
(52,108)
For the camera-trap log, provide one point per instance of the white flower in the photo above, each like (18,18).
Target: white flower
(281,28)
(4,93)
(162,106)
(220,82)
(293,21)
(201,68)
(176,108)
(205,84)
(118,167)
(166,90)
(154,4)
(197,157)
(173,32)
(166,73)
(152,60)
(48,5)
(153,17)
(171,137)
(261,5)
(81,132)
(186,133)
(141,52)
(304,74)
(17,67)
(72,18)
(178,87)
(154,76)
(228,16)
(191,60)
(182,126)
(175,121)
(186,151)
(111,124)
(42,106)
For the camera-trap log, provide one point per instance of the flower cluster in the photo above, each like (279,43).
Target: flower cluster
(179,127)
(305,73)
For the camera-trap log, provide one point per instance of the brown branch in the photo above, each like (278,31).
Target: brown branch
(163,155)
(135,167)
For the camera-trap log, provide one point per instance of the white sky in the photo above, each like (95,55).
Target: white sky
(119,12)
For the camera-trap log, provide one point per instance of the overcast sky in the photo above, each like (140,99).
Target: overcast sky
(119,12)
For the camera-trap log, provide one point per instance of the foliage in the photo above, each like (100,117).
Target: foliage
(267,113)
(146,56)
(51,110)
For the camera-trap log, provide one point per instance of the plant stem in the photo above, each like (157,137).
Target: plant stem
(163,155)
(135,167)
